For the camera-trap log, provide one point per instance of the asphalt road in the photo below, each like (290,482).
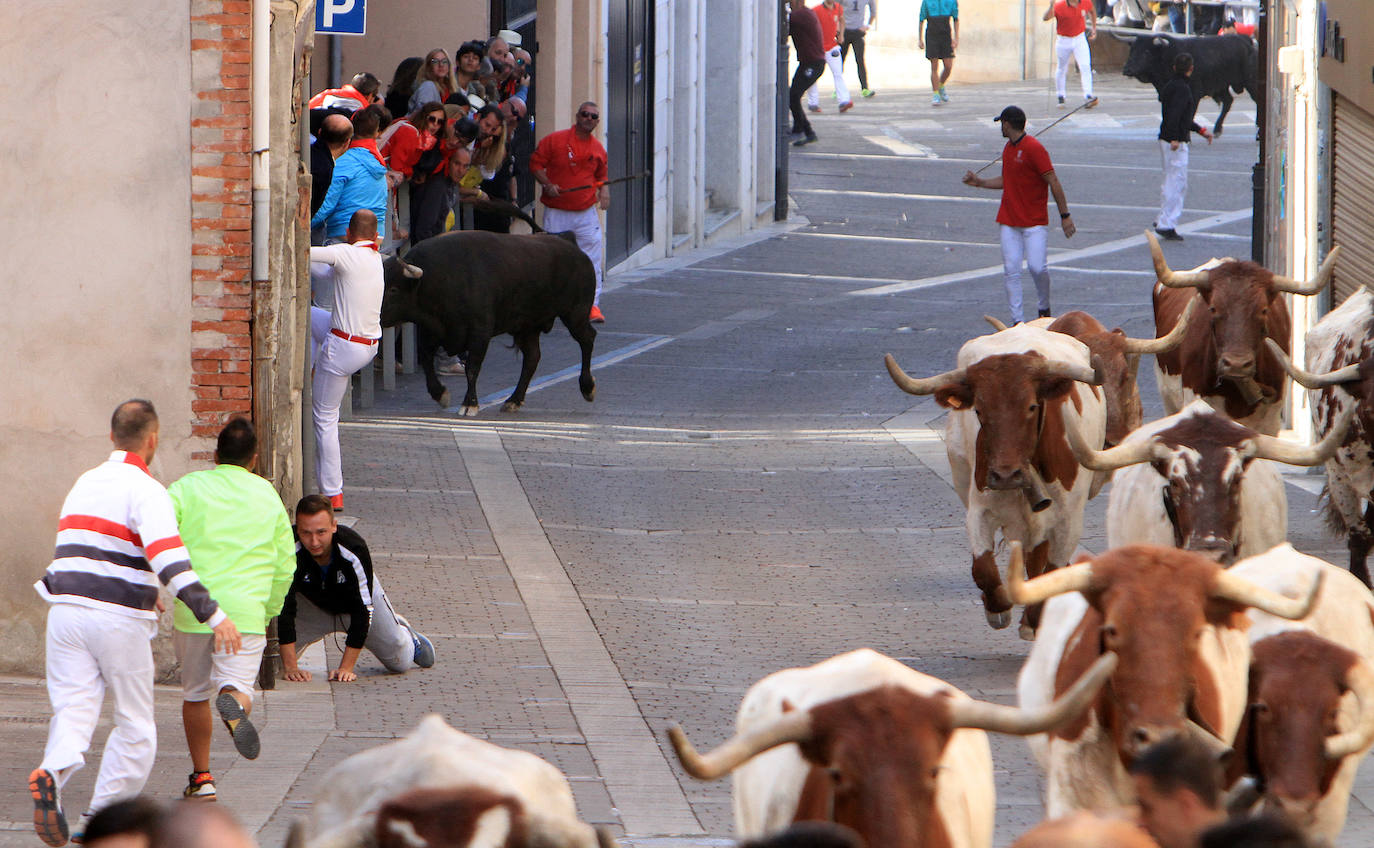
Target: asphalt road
(749,491)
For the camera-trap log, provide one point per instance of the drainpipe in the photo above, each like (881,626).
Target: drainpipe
(261,136)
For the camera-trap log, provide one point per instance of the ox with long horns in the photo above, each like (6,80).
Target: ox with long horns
(1117,355)
(1174,618)
(1223,360)
(1340,350)
(865,741)
(1011,398)
(1191,480)
(1310,719)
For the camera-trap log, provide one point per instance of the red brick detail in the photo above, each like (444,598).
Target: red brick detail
(221,223)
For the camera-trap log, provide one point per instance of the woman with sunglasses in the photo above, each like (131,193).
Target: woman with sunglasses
(416,151)
(435,80)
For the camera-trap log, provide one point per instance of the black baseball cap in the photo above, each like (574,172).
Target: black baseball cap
(1013,114)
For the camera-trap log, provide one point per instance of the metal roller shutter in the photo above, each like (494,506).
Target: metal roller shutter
(1352,196)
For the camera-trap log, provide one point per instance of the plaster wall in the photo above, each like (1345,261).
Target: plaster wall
(98,266)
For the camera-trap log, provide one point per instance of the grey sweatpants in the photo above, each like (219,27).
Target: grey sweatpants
(388,638)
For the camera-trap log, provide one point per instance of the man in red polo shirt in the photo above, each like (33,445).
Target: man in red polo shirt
(570,166)
(1027,178)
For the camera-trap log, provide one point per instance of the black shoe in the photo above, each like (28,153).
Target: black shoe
(1045,313)
(1169,235)
(1061,100)
(241,730)
(806,139)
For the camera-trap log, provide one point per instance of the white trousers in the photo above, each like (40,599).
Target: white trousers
(1026,244)
(1174,187)
(585,225)
(338,360)
(835,62)
(388,638)
(90,651)
(1077,48)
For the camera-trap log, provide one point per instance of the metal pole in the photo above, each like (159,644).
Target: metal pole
(781,121)
(1257,216)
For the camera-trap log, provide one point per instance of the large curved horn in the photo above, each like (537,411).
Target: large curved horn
(1170,278)
(1208,739)
(1234,588)
(1070,578)
(1288,284)
(1127,453)
(1307,379)
(1359,678)
(1168,341)
(982,715)
(922,386)
(414,272)
(1282,450)
(996,323)
(1090,375)
(789,727)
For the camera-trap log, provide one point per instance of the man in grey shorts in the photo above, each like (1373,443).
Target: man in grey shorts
(335,590)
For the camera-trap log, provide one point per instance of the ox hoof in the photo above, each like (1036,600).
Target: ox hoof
(590,396)
(998,620)
(1026,632)
(445,399)
(510,406)
(468,410)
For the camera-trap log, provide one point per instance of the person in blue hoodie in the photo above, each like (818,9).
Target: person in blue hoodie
(359,180)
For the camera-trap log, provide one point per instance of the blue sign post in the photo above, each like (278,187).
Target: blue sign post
(341,17)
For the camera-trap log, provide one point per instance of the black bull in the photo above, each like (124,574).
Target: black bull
(477,285)
(1221,64)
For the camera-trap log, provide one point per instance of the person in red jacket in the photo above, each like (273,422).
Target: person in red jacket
(570,167)
(359,94)
(831,16)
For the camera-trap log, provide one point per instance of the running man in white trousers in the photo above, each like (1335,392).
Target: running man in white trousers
(116,539)
(831,15)
(1072,19)
(1176,126)
(347,342)
(570,166)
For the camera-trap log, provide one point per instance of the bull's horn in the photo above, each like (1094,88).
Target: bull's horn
(1170,278)
(794,726)
(1167,342)
(414,272)
(1288,284)
(981,715)
(1127,453)
(924,386)
(1234,588)
(1070,578)
(1209,740)
(1282,450)
(1090,375)
(996,323)
(1359,678)
(1307,379)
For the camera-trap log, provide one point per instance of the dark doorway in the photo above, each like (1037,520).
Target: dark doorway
(519,15)
(629,120)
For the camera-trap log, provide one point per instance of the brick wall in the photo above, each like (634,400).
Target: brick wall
(221,217)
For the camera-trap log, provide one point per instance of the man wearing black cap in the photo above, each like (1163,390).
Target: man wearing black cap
(1027,178)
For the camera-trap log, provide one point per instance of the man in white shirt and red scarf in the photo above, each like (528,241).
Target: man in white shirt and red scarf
(346,336)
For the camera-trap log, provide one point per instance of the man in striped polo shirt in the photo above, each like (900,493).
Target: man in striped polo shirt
(116,539)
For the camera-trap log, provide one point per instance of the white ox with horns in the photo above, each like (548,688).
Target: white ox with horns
(1224,360)
(1011,398)
(1311,716)
(1200,481)
(1173,619)
(867,742)
(529,801)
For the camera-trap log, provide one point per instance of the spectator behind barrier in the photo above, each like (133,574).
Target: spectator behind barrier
(402,86)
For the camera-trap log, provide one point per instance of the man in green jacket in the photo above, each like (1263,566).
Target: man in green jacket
(234,525)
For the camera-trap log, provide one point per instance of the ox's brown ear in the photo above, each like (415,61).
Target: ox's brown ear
(787,706)
(1056,387)
(955,396)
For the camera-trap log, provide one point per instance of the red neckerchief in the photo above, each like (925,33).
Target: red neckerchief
(367,243)
(369,144)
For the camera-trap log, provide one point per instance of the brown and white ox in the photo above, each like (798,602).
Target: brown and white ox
(1117,356)
(491,796)
(864,741)
(1175,620)
(1339,351)
(1311,706)
(1011,398)
(1200,481)
(1224,360)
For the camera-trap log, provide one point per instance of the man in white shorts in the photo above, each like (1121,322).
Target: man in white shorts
(234,525)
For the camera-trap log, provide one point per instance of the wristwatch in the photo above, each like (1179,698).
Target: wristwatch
(1063,215)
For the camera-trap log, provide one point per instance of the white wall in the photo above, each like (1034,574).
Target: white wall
(96,279)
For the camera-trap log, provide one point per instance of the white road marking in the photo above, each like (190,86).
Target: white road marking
(989,199)
(901,148)
(644,345)
(1058,166)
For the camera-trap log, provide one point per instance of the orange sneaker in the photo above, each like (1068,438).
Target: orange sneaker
(596,316)
(336,501)
(48,821)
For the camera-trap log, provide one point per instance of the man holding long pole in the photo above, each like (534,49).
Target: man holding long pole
(570,167)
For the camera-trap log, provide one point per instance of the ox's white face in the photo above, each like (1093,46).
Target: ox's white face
(1202,499)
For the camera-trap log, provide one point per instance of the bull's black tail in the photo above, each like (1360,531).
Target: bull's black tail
(504,207)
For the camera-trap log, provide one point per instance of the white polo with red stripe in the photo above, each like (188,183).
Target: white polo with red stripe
(358,285)
(116,539)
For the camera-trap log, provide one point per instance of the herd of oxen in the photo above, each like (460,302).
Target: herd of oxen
(1199,619)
